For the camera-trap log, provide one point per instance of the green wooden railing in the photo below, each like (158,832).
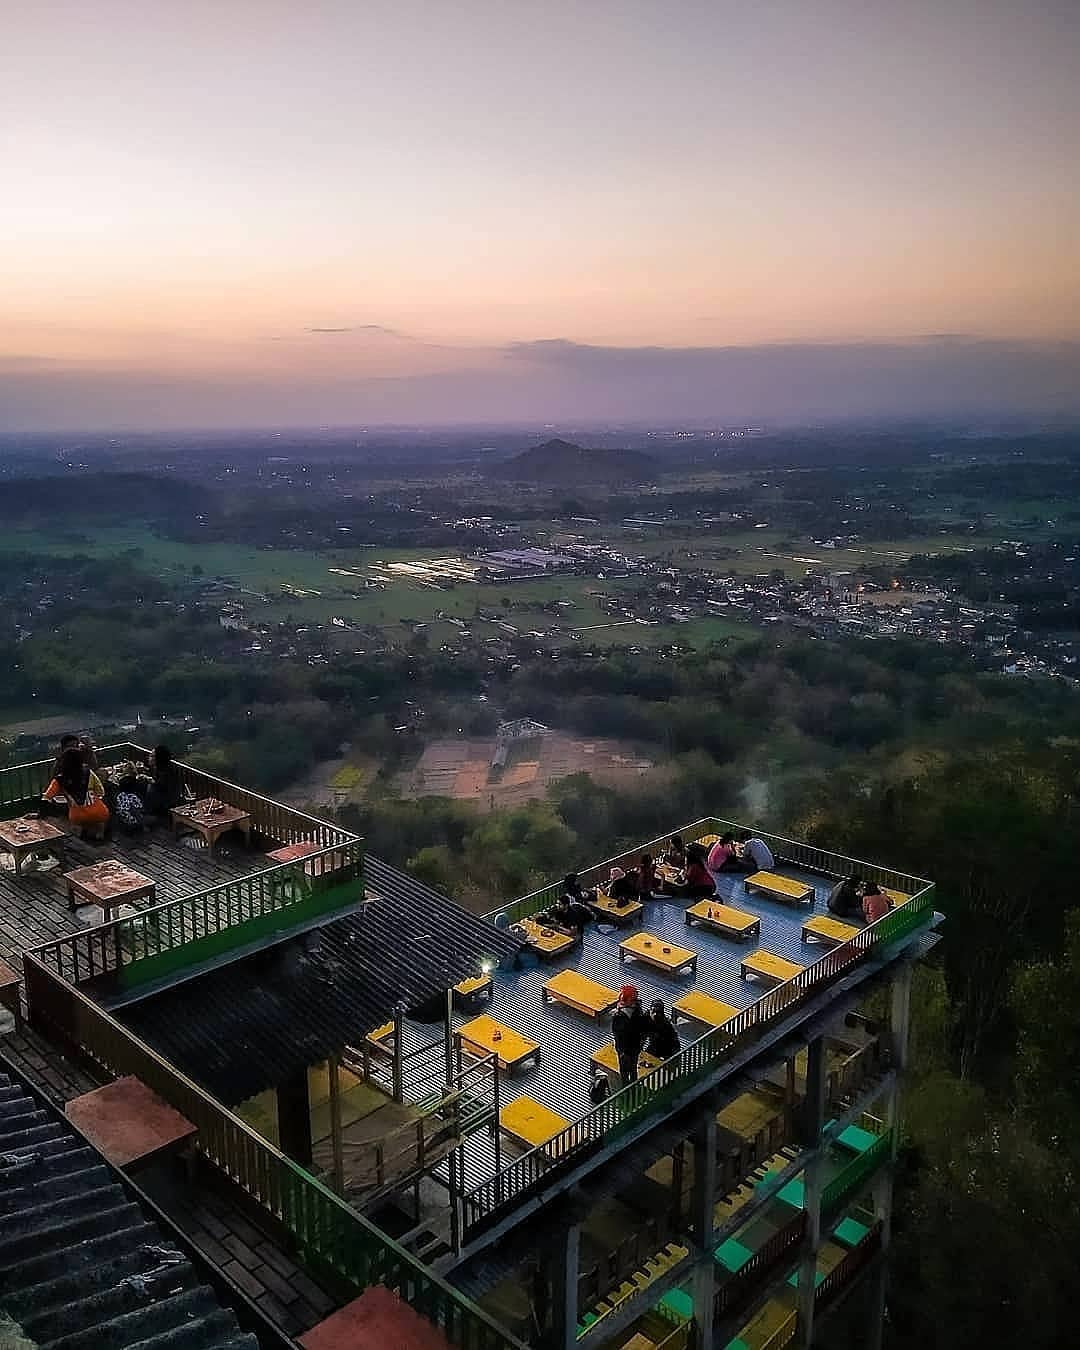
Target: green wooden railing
(332,1239)
(652,1096)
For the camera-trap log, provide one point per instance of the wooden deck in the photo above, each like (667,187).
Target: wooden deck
(34,907)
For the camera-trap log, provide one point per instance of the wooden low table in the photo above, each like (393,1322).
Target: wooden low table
(129,1123)
(654,951)
(547,941)
(484,1036)
(707,840)
(699,1007)
(821,928)
(724,919)
(768,966)
(618,912)
(470,993)
(781,888)
(211,819)
(24,836)
(530,1123)
(580,993)
(109,884)
(665,872)
(606,1058)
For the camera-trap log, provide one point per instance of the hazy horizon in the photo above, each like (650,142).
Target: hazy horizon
(399,212)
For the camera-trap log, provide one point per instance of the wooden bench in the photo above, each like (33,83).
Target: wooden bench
(768,966)
(654,951)
(484,1036)
(703,1008)
(723,919)
(823,929)
(580,993)
(530,1123)
(780,888)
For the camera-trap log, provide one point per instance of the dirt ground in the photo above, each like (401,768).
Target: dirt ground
(461,768)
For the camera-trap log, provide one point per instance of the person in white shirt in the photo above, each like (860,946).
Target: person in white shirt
(755,854)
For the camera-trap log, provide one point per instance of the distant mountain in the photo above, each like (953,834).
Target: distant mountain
(562,464)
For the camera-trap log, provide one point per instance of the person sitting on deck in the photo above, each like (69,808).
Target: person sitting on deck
(629,1027)
(68,742)
(663,1040)
(845,898)
(695,881)
(82,788)
(567,913)
(675,854)
(622,886)
(646,876)
(167,789)
(722,854)
(754,854)
(876,904)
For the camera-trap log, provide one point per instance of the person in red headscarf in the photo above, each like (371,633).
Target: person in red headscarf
(629,1028)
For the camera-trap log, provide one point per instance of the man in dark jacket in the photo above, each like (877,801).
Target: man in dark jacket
(845,898)
(567,913)
(629,1027)
(663,1040)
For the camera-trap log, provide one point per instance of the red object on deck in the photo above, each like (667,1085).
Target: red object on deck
(378,1318)
(129,1122)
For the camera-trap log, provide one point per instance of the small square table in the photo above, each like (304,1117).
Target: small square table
(108,884)
(211,819)
(530,1123)
(470,993)
(618,912)
(822,928)
(655,951)
(129,1123)
(546,941)
(580,993)
(607,1058)
(768,966)
(23,836)
(699,1007)
(485,1036)
(781,888)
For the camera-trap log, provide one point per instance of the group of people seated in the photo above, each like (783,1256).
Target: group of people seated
(854,898)
(131,798)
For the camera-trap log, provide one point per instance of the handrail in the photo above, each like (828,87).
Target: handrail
(116,943)
(329,1233)
(646,1097)
(849,1265)
(856,1172)
(732,1292)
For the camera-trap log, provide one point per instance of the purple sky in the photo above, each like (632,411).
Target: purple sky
(265,212)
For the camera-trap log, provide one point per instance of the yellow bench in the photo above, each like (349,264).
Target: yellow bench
(580,993)
(768,966)
(546,941)
(484,1036)
(530,1123)
(780,888)
(724,919)
(655,951)
(704,1008)
(824,929)
(606,1058)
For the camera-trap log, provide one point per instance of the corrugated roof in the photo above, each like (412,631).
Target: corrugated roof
(251,1024)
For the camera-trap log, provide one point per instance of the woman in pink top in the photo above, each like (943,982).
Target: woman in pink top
(721,853)
(875,904)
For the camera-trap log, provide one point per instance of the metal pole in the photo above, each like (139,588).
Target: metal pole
(449,1028)
(399,1019)
(497,1127)
(335,1124)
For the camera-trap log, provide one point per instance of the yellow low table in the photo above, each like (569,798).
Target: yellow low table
(530,1123)
(606,1058)
(707,840)
(897,897)
(768,966)
(580,993)
(704,1008)
(484,1036)
(469,993)
(724,919)
(614,911)
(780,888)
(546,941)
(656,952)
(381,1040)
(824,929)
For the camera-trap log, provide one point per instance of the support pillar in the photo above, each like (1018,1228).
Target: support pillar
(813,1182)
(565,1267)
(448,1029)
(294,1118)
(336,1150)
(702,1219)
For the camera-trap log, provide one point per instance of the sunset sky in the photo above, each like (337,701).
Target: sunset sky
(270,212)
